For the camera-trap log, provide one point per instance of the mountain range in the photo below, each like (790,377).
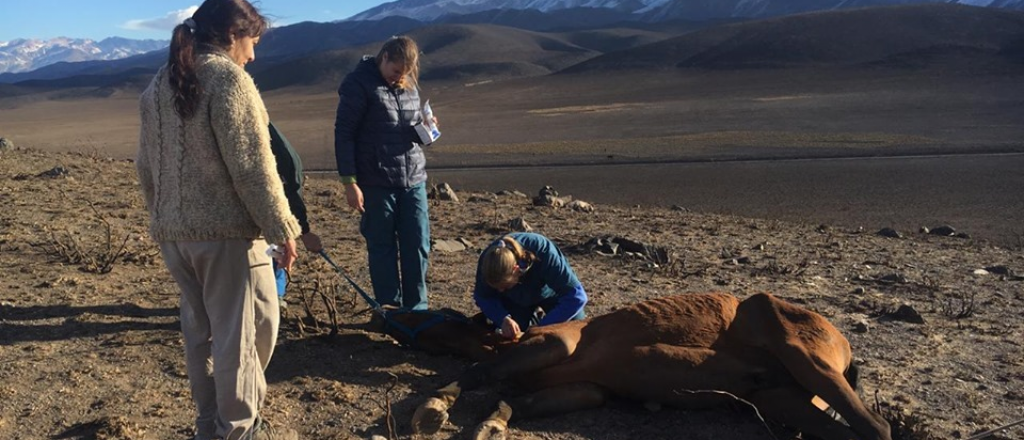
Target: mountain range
(24,55)
(646,10)
(511,43)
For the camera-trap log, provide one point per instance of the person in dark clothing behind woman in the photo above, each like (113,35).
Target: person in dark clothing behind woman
(523,280)
(381,163)
(289,167)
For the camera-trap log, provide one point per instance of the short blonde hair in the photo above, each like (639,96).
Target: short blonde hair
(500,260)
(403,50)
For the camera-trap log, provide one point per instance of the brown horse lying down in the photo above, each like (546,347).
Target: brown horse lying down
(684,351)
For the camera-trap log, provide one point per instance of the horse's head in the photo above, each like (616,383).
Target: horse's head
(444,331)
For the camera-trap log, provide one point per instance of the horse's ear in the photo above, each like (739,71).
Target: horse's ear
(377,323)
(480,319)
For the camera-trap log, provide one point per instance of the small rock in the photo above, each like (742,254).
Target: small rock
(894,278)
(907,313)
(998,270)
(858,291)
(445,192)
(448,246)
(6,144)
(944,230)
(549,197)
(889,232)
(519,225)
(57,171)
(861,326)
(581,206)
(680,208)
(512,193)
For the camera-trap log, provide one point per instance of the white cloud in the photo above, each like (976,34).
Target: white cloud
(165,23)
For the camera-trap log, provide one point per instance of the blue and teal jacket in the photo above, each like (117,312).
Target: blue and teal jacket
(549,276)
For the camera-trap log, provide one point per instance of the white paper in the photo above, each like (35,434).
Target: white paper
(428,131)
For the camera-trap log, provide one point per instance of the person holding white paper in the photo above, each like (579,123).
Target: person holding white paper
(381,163)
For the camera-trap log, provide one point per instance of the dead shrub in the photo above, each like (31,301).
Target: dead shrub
(960,305)
(93,254)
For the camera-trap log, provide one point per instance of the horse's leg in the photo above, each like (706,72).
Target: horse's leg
(547,402)
(540,347)
(794,408)
(814,353)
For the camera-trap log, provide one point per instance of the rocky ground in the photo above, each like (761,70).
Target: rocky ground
(90,346)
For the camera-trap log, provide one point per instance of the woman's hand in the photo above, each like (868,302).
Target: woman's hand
(510,328)
(354,196)
(288,255)
(312,242)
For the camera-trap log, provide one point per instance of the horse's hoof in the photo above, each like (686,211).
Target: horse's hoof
(430,416)
(491,430)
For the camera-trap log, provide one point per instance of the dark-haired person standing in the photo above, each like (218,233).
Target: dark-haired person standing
(381,163)
(215,202)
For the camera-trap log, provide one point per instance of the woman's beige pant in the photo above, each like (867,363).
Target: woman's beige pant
(229,318)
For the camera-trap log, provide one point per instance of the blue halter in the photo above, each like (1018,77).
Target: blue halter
(389,320)
(412,333)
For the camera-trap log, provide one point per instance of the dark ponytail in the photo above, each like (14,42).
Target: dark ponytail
(181,66)
(216,23)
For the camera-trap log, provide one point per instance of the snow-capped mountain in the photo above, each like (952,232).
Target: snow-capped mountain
(427,10)
(647,10)
(23,55)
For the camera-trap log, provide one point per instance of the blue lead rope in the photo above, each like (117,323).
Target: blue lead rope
(374,304)
(412,333)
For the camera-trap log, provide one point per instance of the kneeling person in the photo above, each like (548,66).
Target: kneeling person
(522,280)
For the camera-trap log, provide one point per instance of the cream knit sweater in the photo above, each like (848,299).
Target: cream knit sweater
(211,177)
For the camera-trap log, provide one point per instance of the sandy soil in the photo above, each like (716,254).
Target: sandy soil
(86,354)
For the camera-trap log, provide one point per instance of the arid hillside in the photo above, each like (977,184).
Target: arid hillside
(90,346)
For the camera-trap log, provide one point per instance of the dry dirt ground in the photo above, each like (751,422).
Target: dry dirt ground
(86,354)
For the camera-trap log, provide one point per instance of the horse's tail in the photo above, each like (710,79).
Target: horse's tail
(852,375)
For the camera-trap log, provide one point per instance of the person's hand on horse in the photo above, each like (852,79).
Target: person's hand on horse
(354,196)
(289,254)
(510,328)
(312,242)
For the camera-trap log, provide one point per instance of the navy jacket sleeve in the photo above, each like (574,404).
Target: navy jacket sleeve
(289,166)
(559,276)
(569,305)
(352,104)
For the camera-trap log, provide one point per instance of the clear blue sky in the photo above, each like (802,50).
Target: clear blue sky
(145,19)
